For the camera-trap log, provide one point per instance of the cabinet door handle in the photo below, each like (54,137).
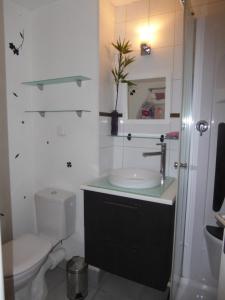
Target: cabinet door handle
(120,205)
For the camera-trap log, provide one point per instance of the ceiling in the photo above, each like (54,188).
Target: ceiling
(33,4)
(122,2)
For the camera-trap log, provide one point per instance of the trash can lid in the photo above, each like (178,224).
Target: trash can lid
(76,264)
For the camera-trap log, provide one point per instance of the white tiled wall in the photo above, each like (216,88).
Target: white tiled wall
(166,58)
(106,87)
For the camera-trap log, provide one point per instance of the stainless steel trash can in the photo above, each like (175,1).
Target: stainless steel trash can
(77,278)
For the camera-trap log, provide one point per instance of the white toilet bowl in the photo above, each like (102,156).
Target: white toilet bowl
(22,259)
(214,248)
(27,258)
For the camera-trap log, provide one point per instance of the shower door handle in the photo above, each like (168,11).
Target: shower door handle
(202,126)
(180,165)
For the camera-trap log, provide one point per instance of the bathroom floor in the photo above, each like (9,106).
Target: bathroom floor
(111,287)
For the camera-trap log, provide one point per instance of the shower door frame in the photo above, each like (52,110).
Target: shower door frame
(185,146)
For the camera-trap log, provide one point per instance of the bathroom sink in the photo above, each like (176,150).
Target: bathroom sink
(134,178)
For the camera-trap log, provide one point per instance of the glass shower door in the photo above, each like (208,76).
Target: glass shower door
(186,127)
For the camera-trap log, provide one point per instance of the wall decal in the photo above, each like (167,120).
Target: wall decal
(132,92)
(15,49)
(24,197)
(69,164)
(15,94)
(47,142)
(17,155)
(22,122)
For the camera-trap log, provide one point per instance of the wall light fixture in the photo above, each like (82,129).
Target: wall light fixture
(145,49)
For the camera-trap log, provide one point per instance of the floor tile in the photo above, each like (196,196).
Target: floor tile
(111,287)
(105,295)
(58,293)
(55,277)
(91,294)
(119,288)
(152,294)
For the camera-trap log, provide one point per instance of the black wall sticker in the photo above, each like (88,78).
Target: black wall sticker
(132,92)
(17,155)
(47,142)
(22,122)
(15,94)
(69,164)
(16,49)
(24,197)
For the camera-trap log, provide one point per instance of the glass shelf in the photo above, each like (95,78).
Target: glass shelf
(42,113)
(41,83)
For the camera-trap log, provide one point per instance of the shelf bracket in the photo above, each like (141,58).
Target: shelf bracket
(79,83)
(40,86)
(79,113)
(42,113)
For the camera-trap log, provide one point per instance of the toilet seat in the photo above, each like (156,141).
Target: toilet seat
(23,254)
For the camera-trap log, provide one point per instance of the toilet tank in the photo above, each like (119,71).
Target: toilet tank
(55,213)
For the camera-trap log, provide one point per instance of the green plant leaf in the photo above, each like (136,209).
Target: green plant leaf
(130,83)
(128,60)
(123,60)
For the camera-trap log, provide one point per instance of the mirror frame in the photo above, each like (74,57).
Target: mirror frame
(124,95)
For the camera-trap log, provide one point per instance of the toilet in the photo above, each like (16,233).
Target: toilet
(27,258)
(214,238)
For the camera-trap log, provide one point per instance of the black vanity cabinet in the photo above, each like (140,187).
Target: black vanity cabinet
(128,237)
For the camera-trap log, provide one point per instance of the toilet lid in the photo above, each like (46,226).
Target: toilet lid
(23,253)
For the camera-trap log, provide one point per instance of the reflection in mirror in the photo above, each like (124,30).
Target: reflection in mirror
(146,99)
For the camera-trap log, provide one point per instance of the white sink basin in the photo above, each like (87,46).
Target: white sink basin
(134,178)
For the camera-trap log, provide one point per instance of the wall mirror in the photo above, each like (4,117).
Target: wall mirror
(148,100)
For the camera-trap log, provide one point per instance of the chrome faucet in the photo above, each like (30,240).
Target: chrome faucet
(162,153)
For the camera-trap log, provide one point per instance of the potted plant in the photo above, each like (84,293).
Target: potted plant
(120,75)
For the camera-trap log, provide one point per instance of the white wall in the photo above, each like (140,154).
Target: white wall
(61,39)
(5,204)
(166,58)
(65,43)
(18,69)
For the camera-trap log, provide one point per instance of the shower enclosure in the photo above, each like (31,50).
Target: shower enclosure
(204,104)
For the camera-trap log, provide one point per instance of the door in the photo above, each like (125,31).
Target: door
(186,127)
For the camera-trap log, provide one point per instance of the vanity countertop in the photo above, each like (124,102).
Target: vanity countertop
(221,218)
(165,194)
